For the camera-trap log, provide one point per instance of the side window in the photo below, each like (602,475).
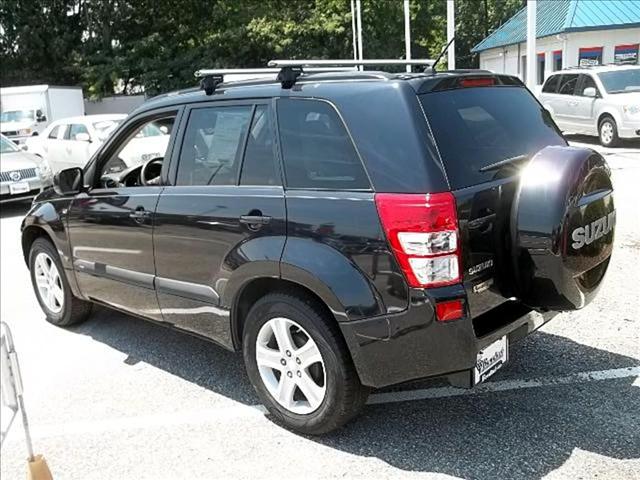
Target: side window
(75,129)
(146,142)
(212,145)
(259,166)
(568,84)
(317,151)
(551,85)
(587,82)
(53,134)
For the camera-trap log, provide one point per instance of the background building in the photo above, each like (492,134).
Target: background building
(570,33)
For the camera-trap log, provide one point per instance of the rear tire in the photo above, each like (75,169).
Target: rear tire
(52,288)
(336,380)
(608,132)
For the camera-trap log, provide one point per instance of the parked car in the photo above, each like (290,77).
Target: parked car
(345,231)
(22,175)
(602,101)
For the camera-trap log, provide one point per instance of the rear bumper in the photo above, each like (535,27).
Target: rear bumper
(413,345)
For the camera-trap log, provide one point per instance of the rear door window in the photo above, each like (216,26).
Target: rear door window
(568,84)
(475,127)
(212,146)
(317,150)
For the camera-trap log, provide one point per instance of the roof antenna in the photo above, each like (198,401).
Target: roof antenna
(432,68)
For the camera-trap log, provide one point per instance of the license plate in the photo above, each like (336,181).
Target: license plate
(18,188)
(490,359)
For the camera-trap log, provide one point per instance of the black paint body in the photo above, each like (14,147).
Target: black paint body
(181,256)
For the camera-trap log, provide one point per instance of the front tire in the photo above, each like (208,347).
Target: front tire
(608,132)
(52,288)
(299,365)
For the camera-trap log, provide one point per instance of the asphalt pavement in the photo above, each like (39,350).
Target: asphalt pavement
(121,398)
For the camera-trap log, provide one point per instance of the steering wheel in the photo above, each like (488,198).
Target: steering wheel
(147,169)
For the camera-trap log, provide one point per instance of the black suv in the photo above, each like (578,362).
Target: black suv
(345,230)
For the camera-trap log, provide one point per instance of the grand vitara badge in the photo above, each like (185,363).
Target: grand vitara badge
(588,234)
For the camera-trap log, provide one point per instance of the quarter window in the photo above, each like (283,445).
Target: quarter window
(318,153)
(211,150)
(53,134)
(259,167)
(568,84)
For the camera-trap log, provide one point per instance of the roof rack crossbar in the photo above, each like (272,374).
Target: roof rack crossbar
(349,63)
(205,72)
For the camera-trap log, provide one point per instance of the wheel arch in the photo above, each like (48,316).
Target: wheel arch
(30,234)
(257,288)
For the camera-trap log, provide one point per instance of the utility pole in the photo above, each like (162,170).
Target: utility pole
(451,31)
(531,44)
(407,33)
(353,30)
(359,16)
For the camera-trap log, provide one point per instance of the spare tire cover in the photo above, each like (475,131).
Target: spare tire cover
(562,227)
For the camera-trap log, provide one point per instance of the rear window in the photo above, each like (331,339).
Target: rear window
(475,127)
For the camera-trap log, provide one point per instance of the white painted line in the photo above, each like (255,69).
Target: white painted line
(240,411)
(504,385)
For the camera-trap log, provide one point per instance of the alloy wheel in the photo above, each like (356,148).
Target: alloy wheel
(291,365)
(49,283)
(606,132)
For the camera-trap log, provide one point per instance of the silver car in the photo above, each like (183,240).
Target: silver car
(603,101)
(22,175)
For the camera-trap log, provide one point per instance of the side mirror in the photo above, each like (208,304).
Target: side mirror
(69,181)
(24,147)
(40,117)
(589,92)
(83,137)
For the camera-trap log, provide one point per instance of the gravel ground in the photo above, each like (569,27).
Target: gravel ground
(120,398)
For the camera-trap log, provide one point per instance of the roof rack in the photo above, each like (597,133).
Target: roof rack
(288,71)
(349,63)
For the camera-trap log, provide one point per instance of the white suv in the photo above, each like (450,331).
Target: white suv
(602,101)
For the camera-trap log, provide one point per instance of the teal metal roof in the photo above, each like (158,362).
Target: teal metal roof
(558,16)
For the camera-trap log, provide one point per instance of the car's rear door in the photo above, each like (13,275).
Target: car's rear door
(111,230)
(223,216)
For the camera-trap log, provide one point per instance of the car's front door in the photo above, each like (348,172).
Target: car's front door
(111,229)
(77,145)
(223,215)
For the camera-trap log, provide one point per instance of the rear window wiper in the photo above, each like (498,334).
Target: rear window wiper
(502,163)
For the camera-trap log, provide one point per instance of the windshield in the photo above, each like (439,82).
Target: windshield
(18,116)
(477,127)
(7,146)
(621,81)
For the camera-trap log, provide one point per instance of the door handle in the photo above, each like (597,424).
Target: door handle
(139,214)
(255,219)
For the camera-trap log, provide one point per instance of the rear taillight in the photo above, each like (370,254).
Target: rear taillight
(422,230)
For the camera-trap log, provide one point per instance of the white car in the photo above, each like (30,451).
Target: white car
(71,142)
(603,101)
